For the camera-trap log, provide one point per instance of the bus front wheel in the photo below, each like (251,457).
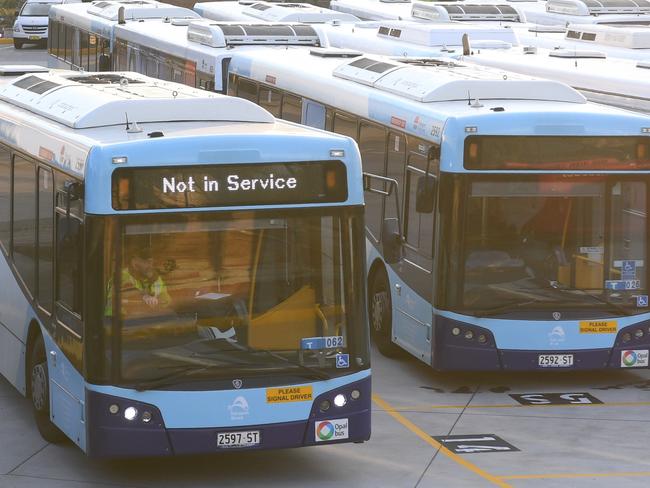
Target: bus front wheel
(40,393)
(381,315)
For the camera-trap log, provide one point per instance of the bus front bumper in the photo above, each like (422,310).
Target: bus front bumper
(111,435)
(454,352)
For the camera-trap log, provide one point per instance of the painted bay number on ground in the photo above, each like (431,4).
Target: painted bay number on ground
(556,399)
(474,444)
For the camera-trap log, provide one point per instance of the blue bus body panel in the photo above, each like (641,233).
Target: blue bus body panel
(67,394)
(16,314)
(202,409)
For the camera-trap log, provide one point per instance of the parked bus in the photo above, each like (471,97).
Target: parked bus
(182,272)
(506,218)
(81,34)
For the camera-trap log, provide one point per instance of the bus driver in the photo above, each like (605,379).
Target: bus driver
(142,279)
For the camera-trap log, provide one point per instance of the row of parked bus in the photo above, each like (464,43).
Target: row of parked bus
(192,272)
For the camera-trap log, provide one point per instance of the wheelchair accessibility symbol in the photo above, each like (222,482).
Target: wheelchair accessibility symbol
(342,360)
(642,301)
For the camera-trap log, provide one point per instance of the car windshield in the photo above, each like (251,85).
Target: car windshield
(250,293)
(36,9)
(561,240)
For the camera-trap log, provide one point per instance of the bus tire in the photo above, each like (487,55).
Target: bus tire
(381,315)
(18,44)
(40,393)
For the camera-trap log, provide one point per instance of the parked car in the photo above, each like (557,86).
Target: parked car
(31,21)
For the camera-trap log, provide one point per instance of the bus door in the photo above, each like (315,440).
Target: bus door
(313,114)
(412,292)
(66,381)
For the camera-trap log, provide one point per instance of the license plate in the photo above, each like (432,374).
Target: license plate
(555,360)
(34,38)
(246,438)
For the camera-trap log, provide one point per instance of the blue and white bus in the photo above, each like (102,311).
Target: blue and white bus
(506,217)
(183,273)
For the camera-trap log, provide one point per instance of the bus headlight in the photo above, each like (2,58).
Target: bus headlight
(355,394)
(146,417)
(638,333)
(339,400)
(469,335)
(114,408)
(455,331)
(626,337)
(325,405)
(130,413)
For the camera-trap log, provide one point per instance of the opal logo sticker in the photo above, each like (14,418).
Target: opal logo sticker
(331,430)
(635,358)
(238,408)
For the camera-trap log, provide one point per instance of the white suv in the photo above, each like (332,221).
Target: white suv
(31,21)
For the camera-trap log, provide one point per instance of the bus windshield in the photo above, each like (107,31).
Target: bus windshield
(560,240)
(251,293)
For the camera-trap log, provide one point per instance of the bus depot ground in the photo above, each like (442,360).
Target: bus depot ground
(583,429)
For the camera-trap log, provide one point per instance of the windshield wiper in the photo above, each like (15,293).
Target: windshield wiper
(506,307)
(170,379)
(554,285)
(240,347)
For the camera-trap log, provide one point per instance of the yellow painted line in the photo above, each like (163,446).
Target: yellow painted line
(436,445)
(574,475)
(443,407)
(6,40)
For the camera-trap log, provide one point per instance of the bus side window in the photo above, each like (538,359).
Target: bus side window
(345,125)
(83,50)
(24,221)
(92,52)
(418,230)
(271,100)
(5,199)
(247,90)
(372,143)
(291,108)
(69,251)
(45,238)
(232,84)
(395,162)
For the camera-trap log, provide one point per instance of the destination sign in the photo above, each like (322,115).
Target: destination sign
(229,185)
(579,153)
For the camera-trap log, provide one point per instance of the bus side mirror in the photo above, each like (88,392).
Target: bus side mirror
(73,191)
(425,194)
(104,63)
(391,240)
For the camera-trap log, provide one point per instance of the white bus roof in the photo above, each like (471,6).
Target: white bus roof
(221,34)
(396,37)
(466,12)
(619,82)
(81,100)
(270,12)
(630,37)
(101,17)
(137,9)
(451,82)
